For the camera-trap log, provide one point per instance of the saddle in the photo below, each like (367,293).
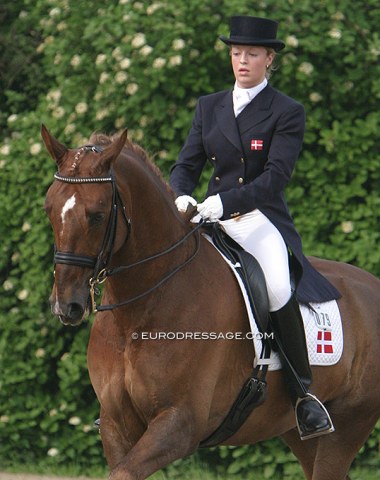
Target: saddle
(253,392)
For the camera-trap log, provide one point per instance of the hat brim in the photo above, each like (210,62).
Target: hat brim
(277,45)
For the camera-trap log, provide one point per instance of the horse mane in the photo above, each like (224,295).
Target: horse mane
(103,140)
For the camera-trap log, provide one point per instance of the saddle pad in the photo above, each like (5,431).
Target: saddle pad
(323,329)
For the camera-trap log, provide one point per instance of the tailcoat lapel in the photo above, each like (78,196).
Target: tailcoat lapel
(226,120)
(257,111)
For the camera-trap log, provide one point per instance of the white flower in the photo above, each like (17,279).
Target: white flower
(123,2)
(4,419)
(347,227)
(306,68)
(176,60)
(40,353)
(5,149)
(54,95)
(121,77)
(152,8)
(144,120)
(61,26)
(146,50)
(53,412)
(338,16)
(163,154)
(26,227)
(119,123)
(117,53)
(35,148)
(125,63)
(7,285)
(54,12)
(75,61)
(81,107)
(138,40)
(335,33)
(132,88)
(65,356)
(159,62)
(2,163)
(12,118)
(59,112)
(101,58)
(104,76)
(23,14)
(178,44)
(23,294)
(69,129)
(53,452)
(74,421)
(292,41)
(315,97)
(87,428)
(101,114)
(57,59)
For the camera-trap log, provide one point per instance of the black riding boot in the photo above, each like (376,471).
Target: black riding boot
(311,415)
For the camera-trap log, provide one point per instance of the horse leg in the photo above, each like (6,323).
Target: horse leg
(335,452)
(168,437)
(305,451)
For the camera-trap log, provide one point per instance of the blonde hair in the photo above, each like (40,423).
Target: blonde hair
(273,66)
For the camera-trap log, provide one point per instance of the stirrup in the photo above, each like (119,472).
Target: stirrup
(317,433)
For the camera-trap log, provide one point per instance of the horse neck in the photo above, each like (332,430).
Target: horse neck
(155,222)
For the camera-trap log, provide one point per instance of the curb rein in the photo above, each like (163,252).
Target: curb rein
(99,263)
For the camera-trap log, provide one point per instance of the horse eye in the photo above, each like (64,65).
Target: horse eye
(96,218)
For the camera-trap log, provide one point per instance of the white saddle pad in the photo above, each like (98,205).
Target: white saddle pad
(323,329)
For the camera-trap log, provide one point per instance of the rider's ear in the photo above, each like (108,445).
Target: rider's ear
(111,153)
(57,150)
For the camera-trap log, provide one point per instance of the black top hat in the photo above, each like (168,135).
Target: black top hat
(258,31)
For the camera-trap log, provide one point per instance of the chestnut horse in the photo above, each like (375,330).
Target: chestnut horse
(161,397)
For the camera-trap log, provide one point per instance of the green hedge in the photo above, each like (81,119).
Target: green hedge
(142,65)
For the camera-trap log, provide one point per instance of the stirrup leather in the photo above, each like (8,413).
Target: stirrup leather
(317,433)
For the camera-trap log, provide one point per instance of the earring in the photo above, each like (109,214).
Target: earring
(267,66)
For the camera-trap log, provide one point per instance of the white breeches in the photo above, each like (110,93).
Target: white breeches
(258,236)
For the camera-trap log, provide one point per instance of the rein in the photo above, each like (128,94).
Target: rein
(99,264)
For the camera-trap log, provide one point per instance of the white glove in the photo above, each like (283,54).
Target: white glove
(182,202)
(211,209)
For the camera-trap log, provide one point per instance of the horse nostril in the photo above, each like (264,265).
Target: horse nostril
(75,311)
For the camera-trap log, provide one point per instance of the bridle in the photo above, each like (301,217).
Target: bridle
(100,263)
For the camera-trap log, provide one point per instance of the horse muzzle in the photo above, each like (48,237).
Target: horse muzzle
(70,313)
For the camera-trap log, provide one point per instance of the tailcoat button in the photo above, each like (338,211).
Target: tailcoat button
(217,179)
(241,180)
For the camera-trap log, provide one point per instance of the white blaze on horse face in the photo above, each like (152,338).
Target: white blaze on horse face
(70,204)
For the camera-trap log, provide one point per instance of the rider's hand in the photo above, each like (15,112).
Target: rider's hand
(211,209)
(182,202)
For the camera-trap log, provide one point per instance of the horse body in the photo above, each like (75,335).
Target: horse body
(160,397)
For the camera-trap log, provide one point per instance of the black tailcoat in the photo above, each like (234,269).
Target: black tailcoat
(253,157)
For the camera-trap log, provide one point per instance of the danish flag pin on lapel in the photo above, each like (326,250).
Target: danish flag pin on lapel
(256,144)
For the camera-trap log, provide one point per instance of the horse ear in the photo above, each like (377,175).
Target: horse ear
(57,150)
(112,152)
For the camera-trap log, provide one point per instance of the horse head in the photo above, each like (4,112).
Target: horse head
(83,206)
